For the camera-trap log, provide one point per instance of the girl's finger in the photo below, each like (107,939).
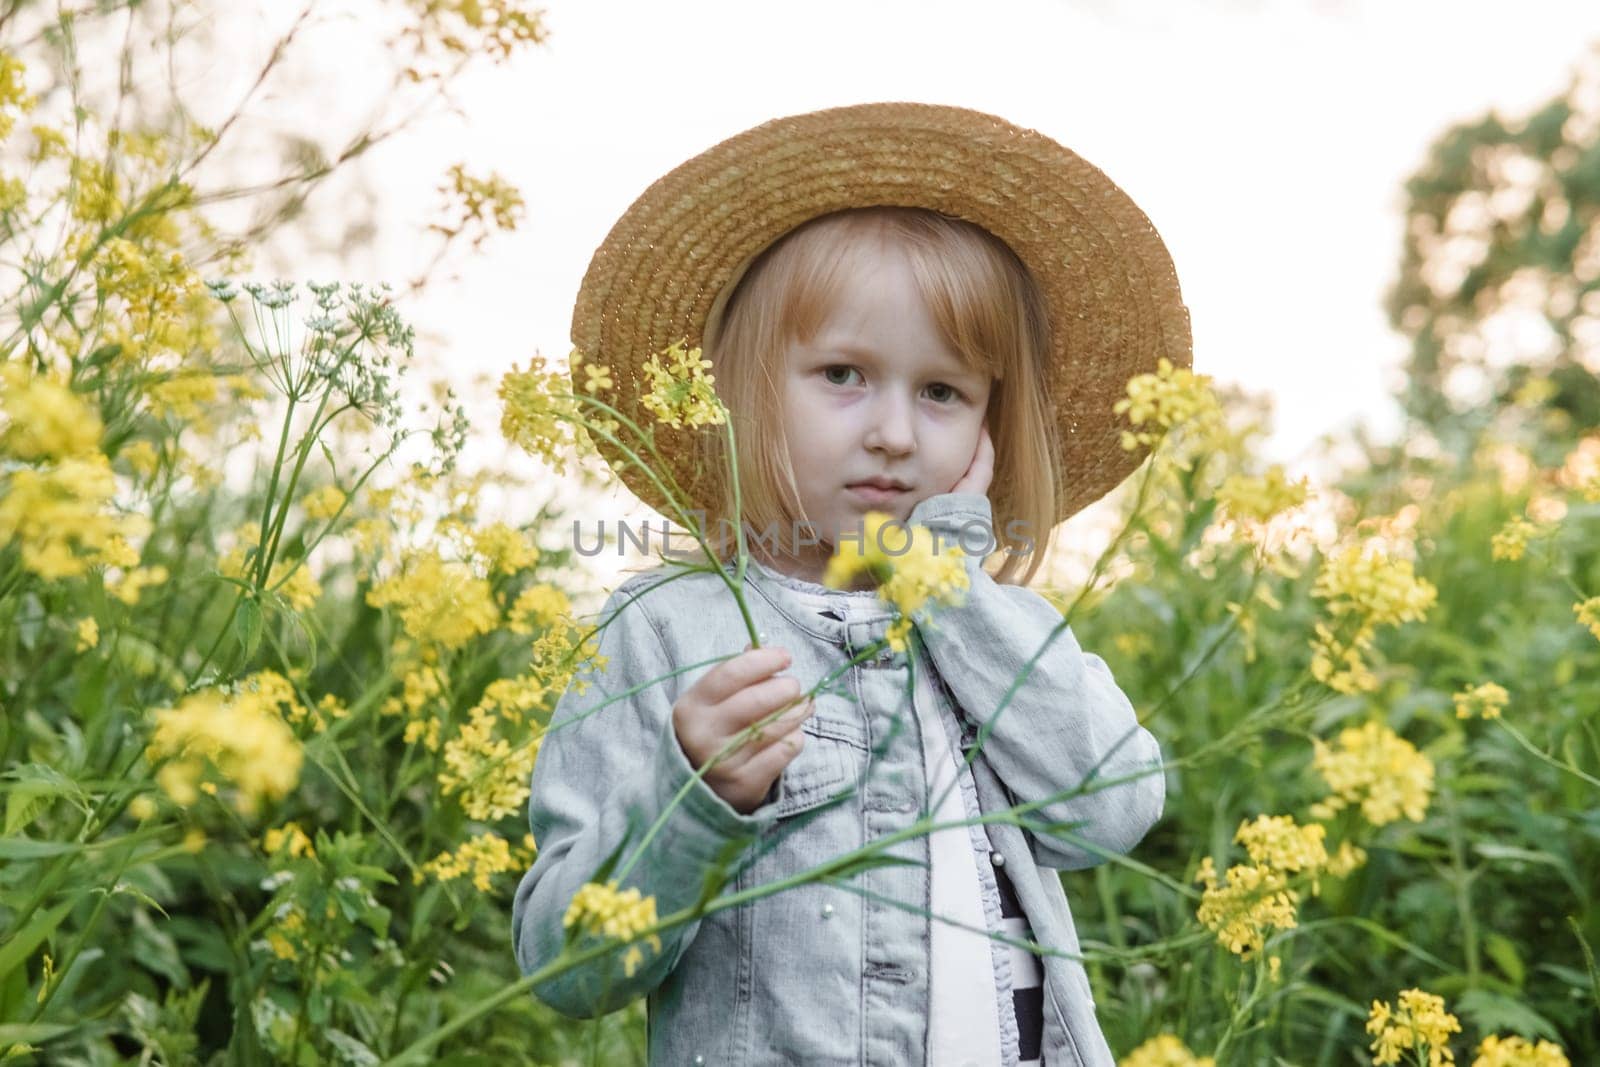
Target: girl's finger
(740,672)
(767,764)
(757,701)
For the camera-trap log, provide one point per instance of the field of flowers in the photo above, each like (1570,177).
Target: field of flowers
(273,684)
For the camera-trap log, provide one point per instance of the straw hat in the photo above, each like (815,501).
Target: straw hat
(675,255)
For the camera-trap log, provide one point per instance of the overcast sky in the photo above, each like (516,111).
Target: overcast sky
(1266,141)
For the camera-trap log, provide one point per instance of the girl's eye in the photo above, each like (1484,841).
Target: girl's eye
(954,394)
(829,372)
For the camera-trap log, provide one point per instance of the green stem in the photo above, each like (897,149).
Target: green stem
(1541,754)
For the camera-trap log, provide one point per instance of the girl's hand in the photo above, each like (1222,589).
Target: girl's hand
(980,472)
(728,698)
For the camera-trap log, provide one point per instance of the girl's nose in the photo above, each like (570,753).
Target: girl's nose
(893,427)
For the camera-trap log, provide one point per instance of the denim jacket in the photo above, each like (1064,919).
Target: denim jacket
(832,972)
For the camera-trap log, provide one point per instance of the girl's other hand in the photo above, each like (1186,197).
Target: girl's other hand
(980,472)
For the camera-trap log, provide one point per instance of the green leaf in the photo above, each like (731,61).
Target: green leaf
(16,950)
(25,848)
(24,803)
(23,1033)
(247,627)
(1495,1013)
(1504,954)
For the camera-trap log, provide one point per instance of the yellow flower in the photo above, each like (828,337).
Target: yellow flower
(182,396)
(1164,1050)
(1497,1051)
(1167,400)
(142,807)
(1513,538)
(440,601)
(1588,612)
(1381,590)
(913,575)
(290,928)
(141,457)
(597,378)
(681,391)
(489,772)
(289,836)
(483,857)
(1420,1023)
(622,915)
(1258,499)
(1377,769)
(538,605)
(132,584)
(540,414)
(88,633)
(1346,859)
(505,549)
(61,516)
(239,735)
(1487,700)
(1275,841)
(1367,589)
(323,502)
(41,419)
(1253,901)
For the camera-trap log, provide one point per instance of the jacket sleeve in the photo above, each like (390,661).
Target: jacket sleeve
(604,776)
(1067,724)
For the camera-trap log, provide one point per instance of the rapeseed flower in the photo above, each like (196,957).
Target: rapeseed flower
(1243,910)
(1377,769)
(288,836)
(483,857)
(1164,1050)
(538,605)
(1511,542)
(1588,612)
(238,735)
(440,602)
(62,519)
(488,771)
(1257,896)
(681,392)
(912,573)
(323,502)
(503,548)
(1486,700)
(1365,590)
(1166,400)
(1419,1023)
(1380,590)
(605,910)
(1276,841)
(1497,1051)
(42,419)
(541,415)
(1257,499)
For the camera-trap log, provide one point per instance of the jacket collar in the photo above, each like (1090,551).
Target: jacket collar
(828,614)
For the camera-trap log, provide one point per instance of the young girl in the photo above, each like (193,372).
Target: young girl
(910,309)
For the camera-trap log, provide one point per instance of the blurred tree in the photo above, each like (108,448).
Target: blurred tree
(1499,272)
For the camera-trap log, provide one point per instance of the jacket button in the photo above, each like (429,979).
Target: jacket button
(997,859)
(699,1059)
(827,911)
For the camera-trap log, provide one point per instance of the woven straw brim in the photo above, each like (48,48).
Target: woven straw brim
(1112,293)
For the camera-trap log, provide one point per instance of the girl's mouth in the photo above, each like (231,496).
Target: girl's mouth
(875,494)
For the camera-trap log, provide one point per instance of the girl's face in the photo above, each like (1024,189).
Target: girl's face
(877,395)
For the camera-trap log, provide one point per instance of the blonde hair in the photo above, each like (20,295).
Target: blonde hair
(988,309)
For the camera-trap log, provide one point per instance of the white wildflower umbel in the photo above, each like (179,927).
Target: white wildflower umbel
(356,343)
